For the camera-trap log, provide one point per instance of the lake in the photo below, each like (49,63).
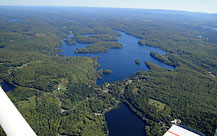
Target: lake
(7,87)
(16,20)
(47,19)
(122,121)
(199,36)
(120,61)
(70,20)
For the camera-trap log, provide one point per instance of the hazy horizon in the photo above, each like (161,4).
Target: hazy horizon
(178,5)
(108,8)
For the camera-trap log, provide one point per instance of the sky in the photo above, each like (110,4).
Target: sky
(208,6)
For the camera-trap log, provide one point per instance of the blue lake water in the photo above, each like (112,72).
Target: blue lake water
(122,121)
(199,36)
(7,87)
(70,20)
(1,47)
(87,35)
(48,19)
(16,20)
(120,61)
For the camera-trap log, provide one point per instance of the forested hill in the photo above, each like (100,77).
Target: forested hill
(58,95)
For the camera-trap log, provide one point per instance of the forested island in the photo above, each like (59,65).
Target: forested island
(58,95)
(137,62)
(107,71)
(99,47)
(70,41)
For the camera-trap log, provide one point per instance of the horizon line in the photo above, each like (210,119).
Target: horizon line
(107,7)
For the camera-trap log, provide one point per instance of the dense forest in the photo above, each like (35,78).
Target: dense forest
(58,95)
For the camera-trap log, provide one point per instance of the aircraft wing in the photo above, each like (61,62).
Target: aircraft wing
(180,130)
(11,120)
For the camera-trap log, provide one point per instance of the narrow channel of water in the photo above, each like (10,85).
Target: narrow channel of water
(122,121)
(120,61)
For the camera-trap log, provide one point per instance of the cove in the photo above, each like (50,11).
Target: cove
(122,121)
(120,61)
(7,87)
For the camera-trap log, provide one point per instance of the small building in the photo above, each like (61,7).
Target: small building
(129,81)
(176,121)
